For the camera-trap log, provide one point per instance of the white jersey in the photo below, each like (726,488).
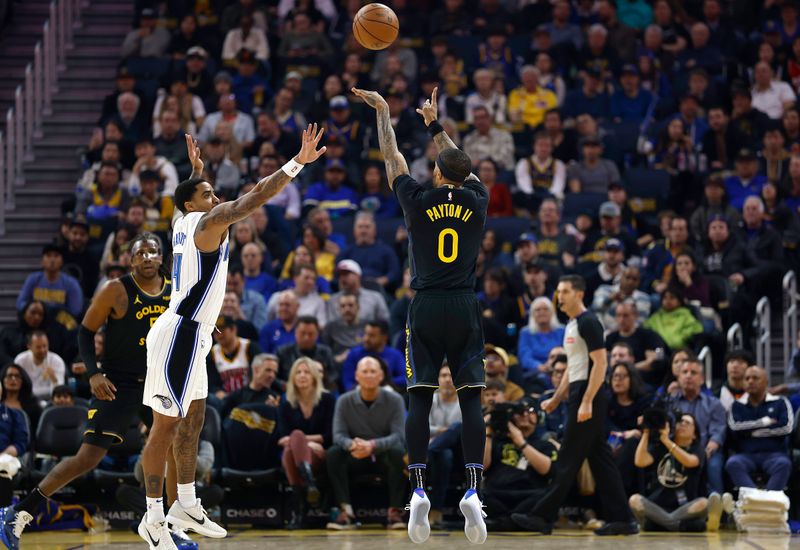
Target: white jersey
(198,278)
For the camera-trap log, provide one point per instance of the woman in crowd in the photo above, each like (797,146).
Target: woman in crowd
(674,322)
(542,333)
(18,393)
(500,203)
(676,503)
(689,280)
(300,256)
(314,243)
(305,420)
(627,401)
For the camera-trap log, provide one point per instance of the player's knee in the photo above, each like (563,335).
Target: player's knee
(89,456)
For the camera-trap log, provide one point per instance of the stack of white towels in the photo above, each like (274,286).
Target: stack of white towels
(762,512)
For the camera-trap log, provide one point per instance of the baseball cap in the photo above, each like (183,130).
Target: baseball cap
(349,265)
(334,164)
(542,29)
(771,27)
(527,237)
(63,389)
(593,139)
(534,264)
(150,175)
(147,13)
(610,209)
(715,179)
(746,154)
(52,247)
(197,51)
(294,75)
(629,68)
(500,352)
(339,102)
(614,244)
(224,321)
(223,75)
(80,221)
(123,72)
(615,185)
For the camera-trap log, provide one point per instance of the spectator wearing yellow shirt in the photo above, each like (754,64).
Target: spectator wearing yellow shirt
(530,102)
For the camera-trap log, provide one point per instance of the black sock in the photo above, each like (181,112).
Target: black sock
(474,475)
(416,474)
(473,428)
(418,431)
(31,502)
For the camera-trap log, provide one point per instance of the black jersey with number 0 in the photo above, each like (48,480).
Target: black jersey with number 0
(445,228)
(124,351)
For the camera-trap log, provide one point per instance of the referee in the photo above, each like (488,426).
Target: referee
(585,430)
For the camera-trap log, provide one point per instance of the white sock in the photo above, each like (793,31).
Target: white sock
(186,495)
(155,510)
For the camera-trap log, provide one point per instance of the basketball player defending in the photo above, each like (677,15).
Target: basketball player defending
(445,224)
(176,386)
(128,307)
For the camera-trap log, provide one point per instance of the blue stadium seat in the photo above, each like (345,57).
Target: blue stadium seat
(577,203)
(148,67)
(508,230)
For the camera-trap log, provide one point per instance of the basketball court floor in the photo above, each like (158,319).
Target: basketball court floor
(366,539)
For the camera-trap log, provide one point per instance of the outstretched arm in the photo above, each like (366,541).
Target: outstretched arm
(430,112)
(392,158)
(194,157)
(215,222)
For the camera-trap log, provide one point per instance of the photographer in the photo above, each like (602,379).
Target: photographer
(675,503)
(517,464)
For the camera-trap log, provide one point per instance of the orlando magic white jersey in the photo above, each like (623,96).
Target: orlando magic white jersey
(198,278)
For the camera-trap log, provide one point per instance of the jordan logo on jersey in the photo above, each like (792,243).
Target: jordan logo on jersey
(137,300)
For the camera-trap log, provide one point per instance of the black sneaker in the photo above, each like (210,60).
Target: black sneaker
(531,523)
(618,528)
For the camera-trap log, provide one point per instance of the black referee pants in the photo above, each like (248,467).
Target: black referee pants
(584,440)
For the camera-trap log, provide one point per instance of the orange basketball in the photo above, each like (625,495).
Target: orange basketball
(375,26)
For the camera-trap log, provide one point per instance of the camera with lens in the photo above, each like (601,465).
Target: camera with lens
(501,415)
(658,414)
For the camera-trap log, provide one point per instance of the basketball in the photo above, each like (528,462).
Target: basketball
(375,26)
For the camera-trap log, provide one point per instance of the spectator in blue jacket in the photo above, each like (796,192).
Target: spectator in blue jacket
(376,340)
(378,260)
(542,334)
(746,181)
(760,424)
(630,103)
(332,194)
(280,331)
(58,291)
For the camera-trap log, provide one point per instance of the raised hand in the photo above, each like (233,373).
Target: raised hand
(194,155)
(373,99)
(430,109)
(308,150)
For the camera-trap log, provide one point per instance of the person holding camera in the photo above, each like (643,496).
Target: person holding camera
(516,462)
(674,503)
(585,434)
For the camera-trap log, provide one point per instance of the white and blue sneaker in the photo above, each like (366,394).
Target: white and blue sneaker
(156,535)
(12,524)
(474,526)
(194,519)
(182,540)
(419,529)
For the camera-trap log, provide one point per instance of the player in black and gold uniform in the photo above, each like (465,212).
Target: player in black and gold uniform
(445,226)
(128,307)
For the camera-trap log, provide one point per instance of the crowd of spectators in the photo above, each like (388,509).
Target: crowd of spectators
(652,146)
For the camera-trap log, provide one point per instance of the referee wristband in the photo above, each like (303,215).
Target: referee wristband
(434,128)
(292,168)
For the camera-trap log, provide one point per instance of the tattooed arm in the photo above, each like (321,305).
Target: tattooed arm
(392,158)
(215,222)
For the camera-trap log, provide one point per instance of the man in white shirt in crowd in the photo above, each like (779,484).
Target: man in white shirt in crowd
(486,141)
(304,277)
(771,96)
(45,368)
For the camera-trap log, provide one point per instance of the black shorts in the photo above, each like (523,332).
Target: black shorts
(444,324)
(109,421)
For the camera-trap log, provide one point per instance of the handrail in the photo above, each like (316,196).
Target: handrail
(33,98)
(705,357)
(735,337)
(763,325)
(789,314)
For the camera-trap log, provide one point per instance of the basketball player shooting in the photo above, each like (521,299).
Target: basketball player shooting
(176,386)
(445,224)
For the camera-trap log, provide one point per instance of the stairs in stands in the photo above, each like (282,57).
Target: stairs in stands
(51,177)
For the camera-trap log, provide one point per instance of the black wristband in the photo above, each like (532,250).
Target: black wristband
(434,128)
(86,350)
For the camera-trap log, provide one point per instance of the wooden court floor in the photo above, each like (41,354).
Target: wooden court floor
(374,539)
